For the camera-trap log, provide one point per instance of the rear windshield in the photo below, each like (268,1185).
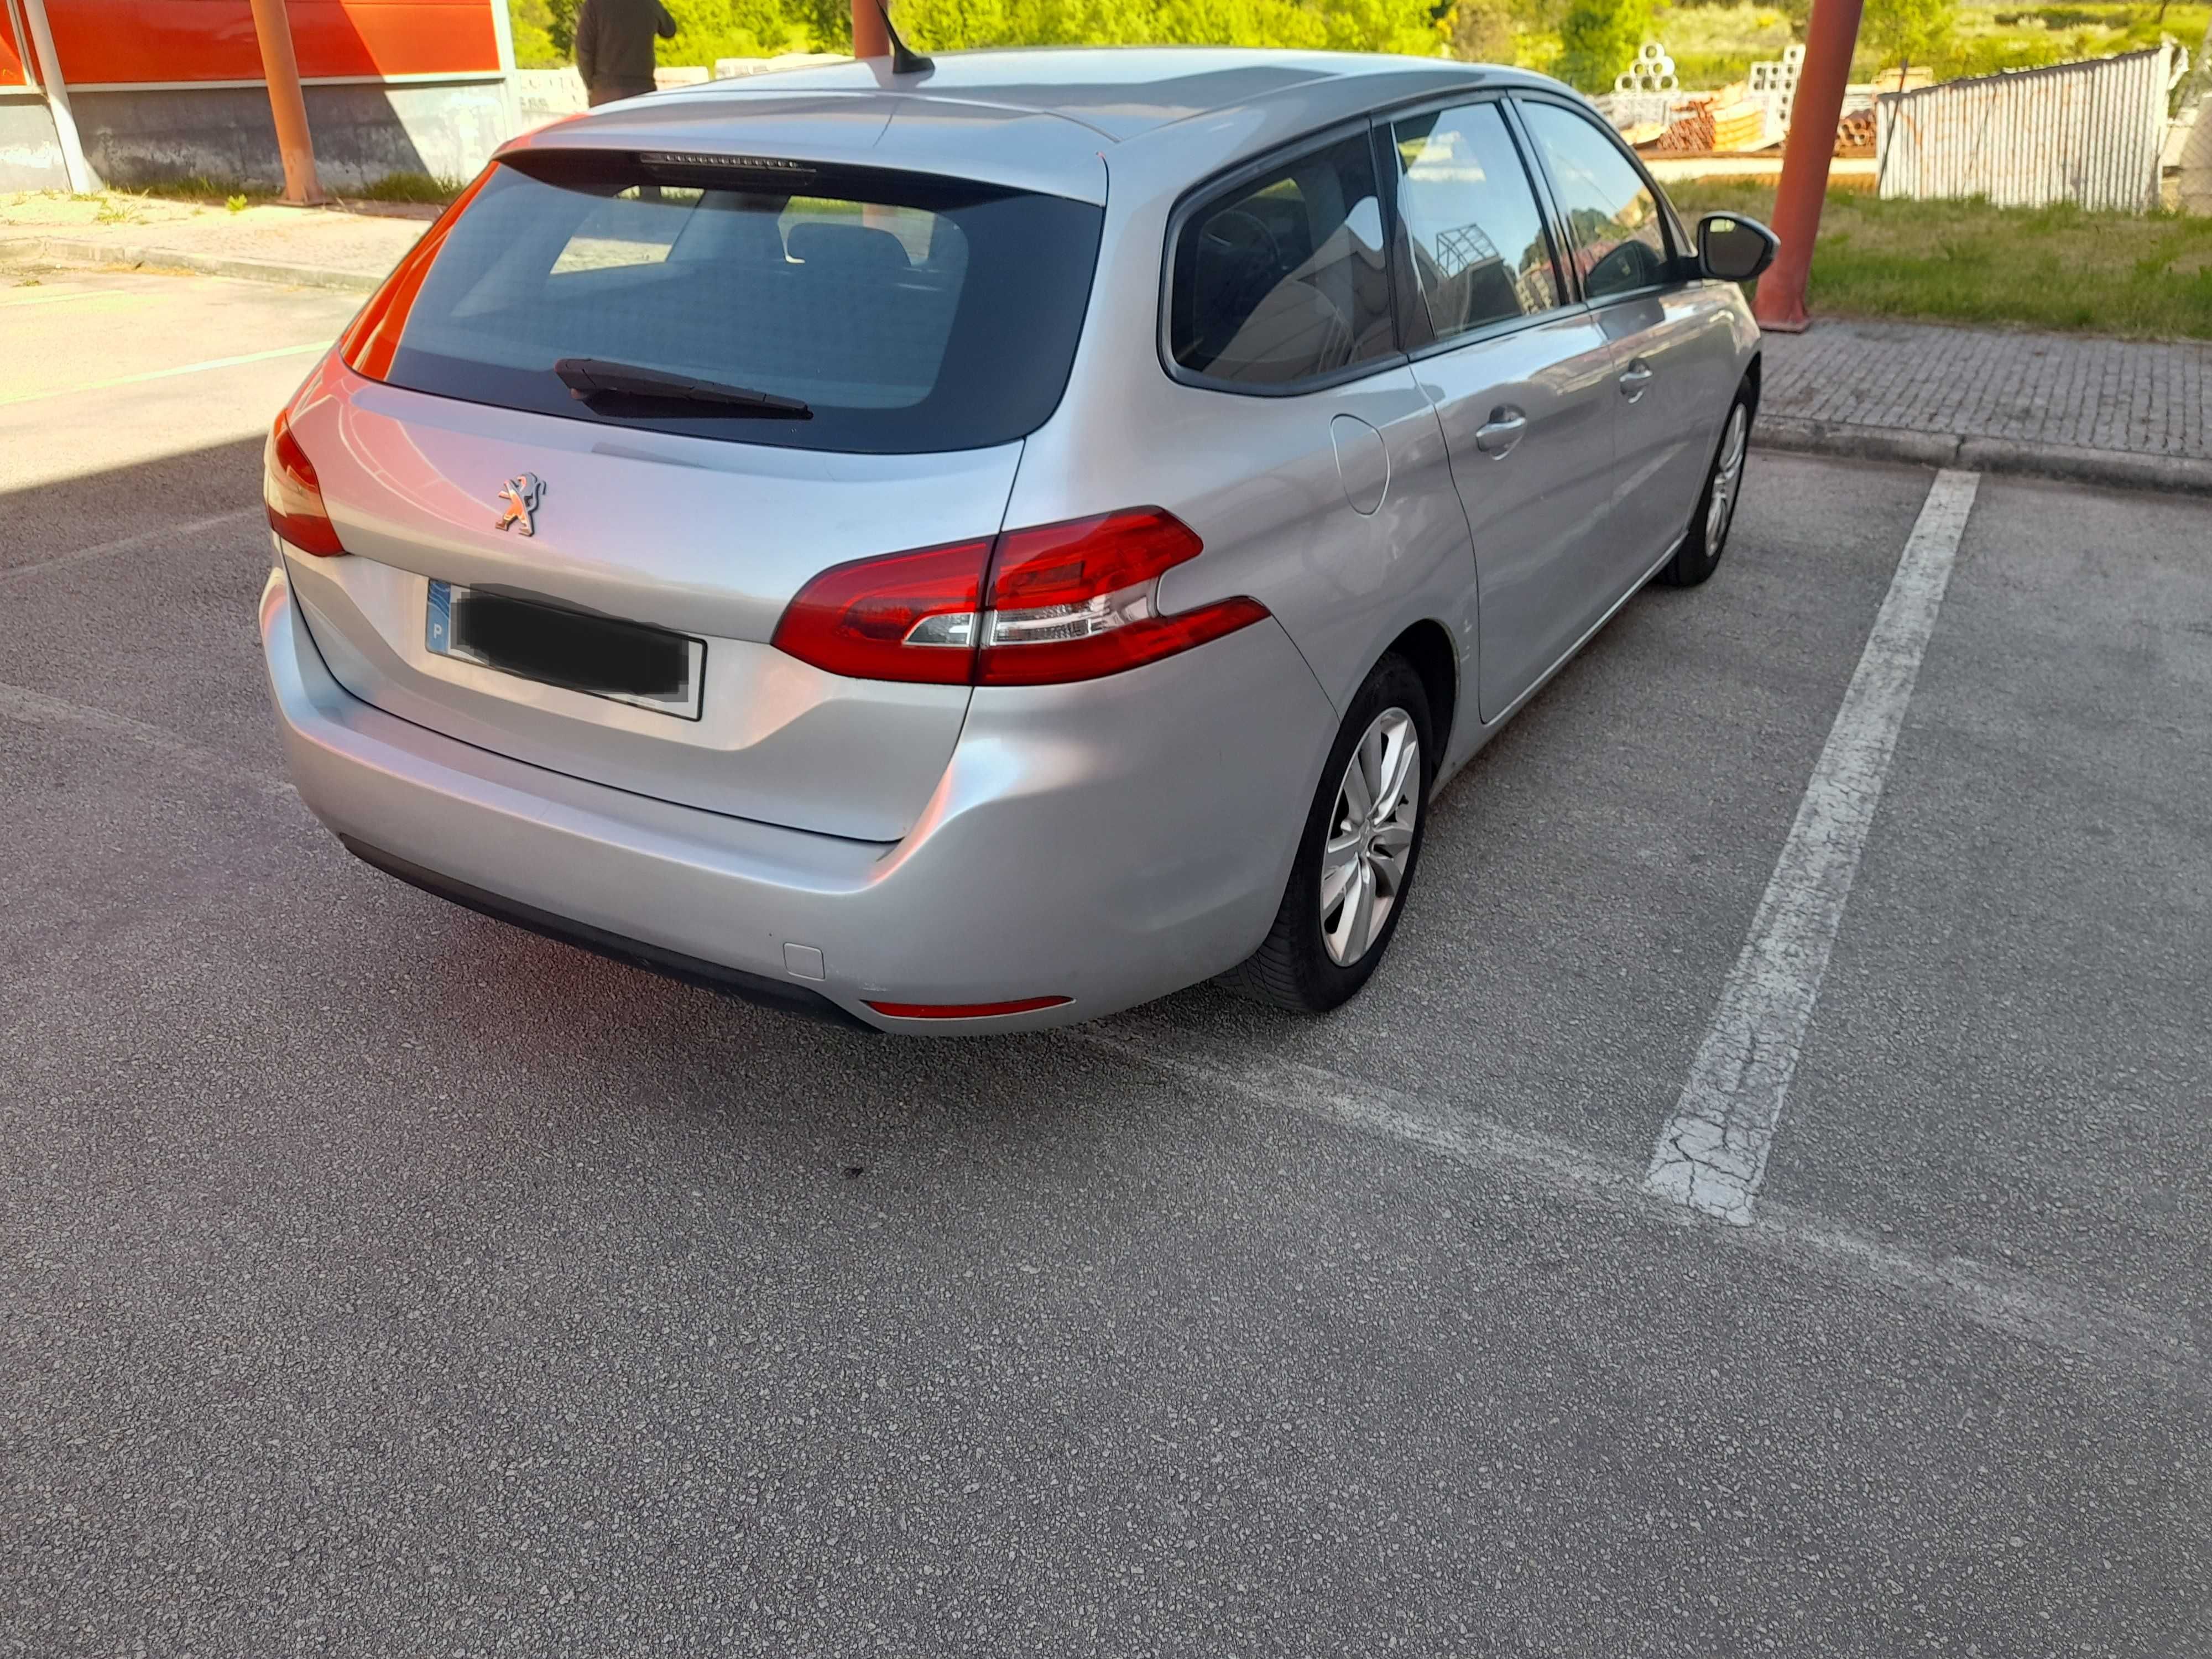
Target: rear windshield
(908,314)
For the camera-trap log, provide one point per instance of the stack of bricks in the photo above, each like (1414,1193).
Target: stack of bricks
(1691,131)
(1739,126)
(1704,123)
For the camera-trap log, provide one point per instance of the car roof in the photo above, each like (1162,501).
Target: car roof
(1122,92)
(1032,119)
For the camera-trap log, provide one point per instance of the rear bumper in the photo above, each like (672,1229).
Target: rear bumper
(787,996)
(1107,842)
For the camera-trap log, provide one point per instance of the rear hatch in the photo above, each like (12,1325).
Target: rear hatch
(622,406)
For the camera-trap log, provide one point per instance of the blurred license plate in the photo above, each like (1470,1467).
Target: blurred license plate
(601,656)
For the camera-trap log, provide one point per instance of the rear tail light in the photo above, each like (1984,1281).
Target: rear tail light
(289,486)
(1078,600)
(909,617)
(372,339)
(1044,607)
(293,495)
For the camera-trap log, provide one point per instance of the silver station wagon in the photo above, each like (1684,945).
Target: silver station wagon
(973,546)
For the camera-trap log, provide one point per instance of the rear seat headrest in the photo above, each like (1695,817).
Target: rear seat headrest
(852,249)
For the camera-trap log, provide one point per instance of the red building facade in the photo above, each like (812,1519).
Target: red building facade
(174,88)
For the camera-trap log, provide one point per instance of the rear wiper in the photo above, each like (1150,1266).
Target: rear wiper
(593,379)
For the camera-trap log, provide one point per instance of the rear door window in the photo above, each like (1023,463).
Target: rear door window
(1281,280)
(1478,246)
(1620,234)
(906,315)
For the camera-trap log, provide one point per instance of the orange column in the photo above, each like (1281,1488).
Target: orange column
(44,64)
(286,103)
(870,38)
(1829,39)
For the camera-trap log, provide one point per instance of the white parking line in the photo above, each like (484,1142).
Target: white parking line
(161,533)
(29,708)
(72,295)
(2111,1334)
(167,374)
(1712,1154)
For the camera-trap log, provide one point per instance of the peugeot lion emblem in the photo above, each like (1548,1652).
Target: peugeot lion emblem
(519,501)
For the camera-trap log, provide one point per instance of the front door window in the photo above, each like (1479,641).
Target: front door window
(1620,232)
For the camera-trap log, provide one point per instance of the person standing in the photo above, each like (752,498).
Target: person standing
(614,46)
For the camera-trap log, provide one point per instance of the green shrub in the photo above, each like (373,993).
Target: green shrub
(544,30)
(1599,38)
(411,187)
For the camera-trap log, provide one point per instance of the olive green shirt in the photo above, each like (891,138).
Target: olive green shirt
(614,45)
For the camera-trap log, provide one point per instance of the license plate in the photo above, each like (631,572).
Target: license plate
(578,650)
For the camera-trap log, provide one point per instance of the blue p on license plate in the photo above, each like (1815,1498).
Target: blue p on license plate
(581,651)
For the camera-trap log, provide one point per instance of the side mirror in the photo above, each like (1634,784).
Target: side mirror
(1733,249)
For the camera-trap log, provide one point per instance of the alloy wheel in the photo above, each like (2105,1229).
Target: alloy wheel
(1365,861)
(1728,479)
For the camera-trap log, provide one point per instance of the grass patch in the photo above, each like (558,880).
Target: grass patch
(2057,268)
(237,195)
(201,188)
(411,187)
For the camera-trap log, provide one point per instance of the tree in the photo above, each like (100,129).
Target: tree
(1908,32)
(561,25)
(1482,32)
(532,25)
(545,30)
(1598,40)
(707,29)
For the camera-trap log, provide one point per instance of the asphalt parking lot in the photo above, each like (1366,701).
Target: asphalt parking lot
(383,1280)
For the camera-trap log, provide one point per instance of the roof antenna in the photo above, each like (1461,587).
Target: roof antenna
(904,59)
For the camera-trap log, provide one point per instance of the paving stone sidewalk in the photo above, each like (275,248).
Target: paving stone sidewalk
(2135,412)
(344,246)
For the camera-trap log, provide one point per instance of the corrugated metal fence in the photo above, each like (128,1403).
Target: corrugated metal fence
(2087,133)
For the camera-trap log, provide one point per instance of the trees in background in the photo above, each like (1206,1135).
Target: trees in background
(1483,31)
(1599,38)
(1909,32)
(544,29)
(1401,26)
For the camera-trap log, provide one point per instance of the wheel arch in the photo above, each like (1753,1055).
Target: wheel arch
(1427,645)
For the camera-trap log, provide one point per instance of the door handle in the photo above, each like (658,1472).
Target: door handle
(1634,379)
(1495,436)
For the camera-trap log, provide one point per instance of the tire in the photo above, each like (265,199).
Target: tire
(1699,556)
(1304,966)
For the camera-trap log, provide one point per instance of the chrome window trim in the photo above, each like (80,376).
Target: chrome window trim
(1203,192)
(1497,331)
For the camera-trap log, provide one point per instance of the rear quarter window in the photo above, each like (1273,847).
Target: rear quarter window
(1281,280)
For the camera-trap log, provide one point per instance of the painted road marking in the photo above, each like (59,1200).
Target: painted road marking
(167,374)
(36,708)
(16,301)
(2113,1334)
(1712,1154)
(162,534)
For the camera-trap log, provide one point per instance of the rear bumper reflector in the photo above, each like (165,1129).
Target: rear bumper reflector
(966,1010)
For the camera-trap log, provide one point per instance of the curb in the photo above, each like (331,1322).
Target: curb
(2115,468)
(70,250)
